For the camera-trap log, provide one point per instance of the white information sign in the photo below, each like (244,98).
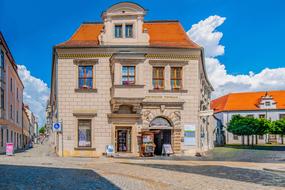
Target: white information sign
(109,150)
(57,127)
(189,135)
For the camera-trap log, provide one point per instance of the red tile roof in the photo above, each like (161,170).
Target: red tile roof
(246,101)
(162,34)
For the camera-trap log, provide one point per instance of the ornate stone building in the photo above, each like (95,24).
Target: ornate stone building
(116,78)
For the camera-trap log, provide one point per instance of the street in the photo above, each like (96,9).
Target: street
(39,168)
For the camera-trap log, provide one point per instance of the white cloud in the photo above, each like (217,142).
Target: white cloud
(205,34)
(36,93)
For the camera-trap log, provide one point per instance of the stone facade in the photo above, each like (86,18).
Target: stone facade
(112,106)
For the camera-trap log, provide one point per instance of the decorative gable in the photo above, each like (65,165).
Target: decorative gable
(123,25)
(267,102)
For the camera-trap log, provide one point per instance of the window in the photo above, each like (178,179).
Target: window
(118,31)
(250,116)
(260,137)
(176,77)
(11,84)
(2,59)
(17,116)
(17,95)
(2,137)
(7,136)
(11,139)
(267,103)
(235,137)
(85,77)
(84,133)
(128,75)
(2,106)
(129,31)
(261,116)
(11,112)
(281,116)
(2,65)
(158,77)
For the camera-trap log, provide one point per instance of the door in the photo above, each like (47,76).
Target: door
(123,139)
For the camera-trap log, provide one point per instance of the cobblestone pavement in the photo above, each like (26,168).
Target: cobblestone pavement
(39,168)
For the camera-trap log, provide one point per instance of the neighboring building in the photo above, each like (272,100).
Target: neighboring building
(33,124)
(11,99)
(26,127)
(114,79)
(269,105)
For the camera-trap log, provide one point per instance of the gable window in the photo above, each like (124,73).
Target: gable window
(118,31)
(129,30)
(158,77)
(267,103)
(128,75)
(85,77)
(176,77)
(84,133)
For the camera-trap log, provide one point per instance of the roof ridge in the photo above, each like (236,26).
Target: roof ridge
(158,21)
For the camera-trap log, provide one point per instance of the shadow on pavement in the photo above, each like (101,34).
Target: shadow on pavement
(32,177)
(258,147)
(237,174)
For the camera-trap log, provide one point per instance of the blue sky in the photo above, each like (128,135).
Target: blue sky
(253,31)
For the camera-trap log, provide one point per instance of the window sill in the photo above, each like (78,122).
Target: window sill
(167,91)
(129,86)
(85,90)
(84,148)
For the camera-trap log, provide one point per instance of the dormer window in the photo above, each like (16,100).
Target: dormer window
(118,31)
(267,103)
(129,30)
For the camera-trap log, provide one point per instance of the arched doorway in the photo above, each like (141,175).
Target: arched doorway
(162,133)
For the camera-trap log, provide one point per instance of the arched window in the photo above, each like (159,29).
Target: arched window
(160,123)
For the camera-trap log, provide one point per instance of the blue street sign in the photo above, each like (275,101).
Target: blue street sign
(56,127)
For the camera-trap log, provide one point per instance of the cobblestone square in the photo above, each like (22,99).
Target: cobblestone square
(39,168)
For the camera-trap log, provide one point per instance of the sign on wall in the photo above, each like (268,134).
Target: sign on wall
(9,149)
(189,135)
(57,127)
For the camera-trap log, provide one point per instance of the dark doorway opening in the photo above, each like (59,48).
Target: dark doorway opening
(161,137)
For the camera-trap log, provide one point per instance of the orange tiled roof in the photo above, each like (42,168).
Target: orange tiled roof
(246,101)
(162,34)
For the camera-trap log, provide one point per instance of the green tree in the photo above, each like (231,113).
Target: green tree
(278,128)
(42,130)
(242,126)
(264,126)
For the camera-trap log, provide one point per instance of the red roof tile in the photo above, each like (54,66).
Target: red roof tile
(162,34)
(246,101)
